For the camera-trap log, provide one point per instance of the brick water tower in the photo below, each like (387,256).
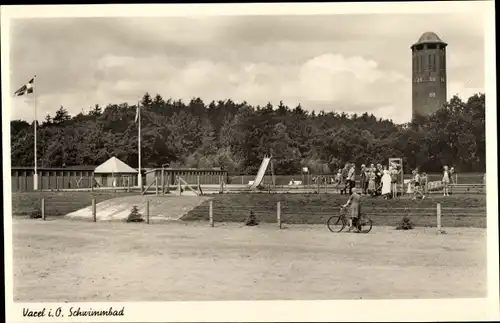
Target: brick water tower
(429,74)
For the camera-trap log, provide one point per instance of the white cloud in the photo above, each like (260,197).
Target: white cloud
(343,63)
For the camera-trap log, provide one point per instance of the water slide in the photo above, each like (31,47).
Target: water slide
(260,174)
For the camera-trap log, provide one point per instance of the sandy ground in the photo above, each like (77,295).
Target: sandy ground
(62,260)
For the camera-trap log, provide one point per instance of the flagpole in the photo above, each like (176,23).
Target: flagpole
(139,178)
(35,177)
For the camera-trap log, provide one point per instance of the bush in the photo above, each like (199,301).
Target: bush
(134,215)
(405,224)
(36,213)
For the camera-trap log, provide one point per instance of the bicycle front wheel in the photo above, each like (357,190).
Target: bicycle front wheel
(335,223)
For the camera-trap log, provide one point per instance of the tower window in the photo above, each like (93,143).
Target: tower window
(434,62)
(432,95)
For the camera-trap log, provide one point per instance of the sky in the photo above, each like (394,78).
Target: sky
(345,63)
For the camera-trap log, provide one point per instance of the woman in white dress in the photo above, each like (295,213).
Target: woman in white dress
(386,184)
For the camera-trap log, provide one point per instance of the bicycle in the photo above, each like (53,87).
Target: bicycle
(337,223)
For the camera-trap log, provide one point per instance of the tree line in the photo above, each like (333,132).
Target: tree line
(236,136)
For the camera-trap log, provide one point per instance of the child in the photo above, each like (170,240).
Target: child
(416,185)
(446,181)
(394,180)
(338,179)
(363,180)
(371,182)
(378,179)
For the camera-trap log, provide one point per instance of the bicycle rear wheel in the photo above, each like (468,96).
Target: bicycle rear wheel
(335,223)
(365,225)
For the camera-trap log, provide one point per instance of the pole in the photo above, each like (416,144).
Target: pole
(278,214)
(168,183)
(156,182)
(35,176)
(162,181)
(179,185)
(94,213)
(210,214)
(43,209)
(147,211)
(139,178)
(438,211)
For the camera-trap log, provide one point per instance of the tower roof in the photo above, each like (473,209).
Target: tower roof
(429,37)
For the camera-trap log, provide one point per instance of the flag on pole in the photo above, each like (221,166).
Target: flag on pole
(137,113)
(25,89)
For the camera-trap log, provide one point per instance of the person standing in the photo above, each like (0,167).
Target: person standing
(371,182)
(338,180)
(417,188)
(352,178)
(378,178)
(345,179)
(394,172)
(386,184)
(363,179)
(446,181)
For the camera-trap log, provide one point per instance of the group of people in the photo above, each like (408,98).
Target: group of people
(386,182)
(374,180)
(383,180)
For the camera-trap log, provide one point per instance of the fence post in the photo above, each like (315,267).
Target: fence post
(210,214)
(162,182)
(438,211)
(156,182)
(278,214)
(179,185)
(43,209)
(147,211)
(94,211)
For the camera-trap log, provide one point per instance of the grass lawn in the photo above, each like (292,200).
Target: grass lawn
(58,203)
(457,211)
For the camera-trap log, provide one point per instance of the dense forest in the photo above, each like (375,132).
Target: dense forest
(236,136)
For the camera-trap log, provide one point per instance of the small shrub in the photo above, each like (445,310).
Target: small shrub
(405,224)
(36,213)
(134,215)
(251,220)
